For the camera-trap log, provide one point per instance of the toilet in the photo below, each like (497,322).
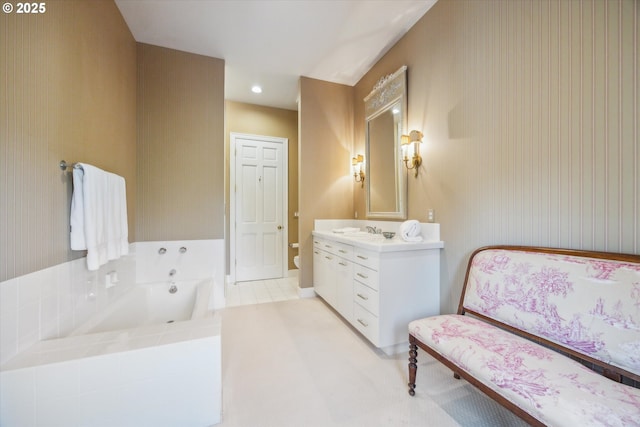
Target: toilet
(296,259)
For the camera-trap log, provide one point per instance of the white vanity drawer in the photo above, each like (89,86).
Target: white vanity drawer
(366,258)
(337,248)
(318,243)
(366,275)
(366,297)
(366,323)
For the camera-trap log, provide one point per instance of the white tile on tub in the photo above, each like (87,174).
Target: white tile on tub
(156,329)
(65,324)
(138,365)
(62,409)
(48,283)
(171,337)
(149,411)
(144,341)
(49,317)
(8,335)
(17,398)
(104,348)
(29,288)
(204,332)
(56,379)
(28,325)
(9,295)
(102,408)
(63,355)
(98,372)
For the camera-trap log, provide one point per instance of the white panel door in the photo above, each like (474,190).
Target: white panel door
(259,214)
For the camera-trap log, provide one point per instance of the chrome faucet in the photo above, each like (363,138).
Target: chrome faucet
(373,230)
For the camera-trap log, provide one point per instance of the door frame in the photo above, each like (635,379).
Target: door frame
(233,136)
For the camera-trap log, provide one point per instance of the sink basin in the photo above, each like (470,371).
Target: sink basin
(363,235)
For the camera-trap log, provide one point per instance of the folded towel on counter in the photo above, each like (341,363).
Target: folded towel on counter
(99,215)
(410,231)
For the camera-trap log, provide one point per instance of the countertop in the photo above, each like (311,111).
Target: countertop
(377,242)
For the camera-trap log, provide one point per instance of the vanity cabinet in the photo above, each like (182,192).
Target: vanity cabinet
(377,288)
(332,279)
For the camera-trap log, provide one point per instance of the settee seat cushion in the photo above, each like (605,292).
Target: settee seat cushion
(549,386)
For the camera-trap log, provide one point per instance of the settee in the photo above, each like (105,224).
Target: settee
(551,334)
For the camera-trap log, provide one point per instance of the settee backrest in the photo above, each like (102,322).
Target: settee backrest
(585,302)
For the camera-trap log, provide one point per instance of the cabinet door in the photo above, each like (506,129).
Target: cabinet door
(344,288)
(319,272)
(324,282)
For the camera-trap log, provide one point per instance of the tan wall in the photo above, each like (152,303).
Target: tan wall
(69,92)
(180,150)
(267,121)
(530,114)
(326,140)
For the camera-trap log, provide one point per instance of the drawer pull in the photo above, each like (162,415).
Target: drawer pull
(316,252)
(328,246)
(342,263)
(363,257)
(328,257)
(362,275)
(363,297)
(342,251)
(363,323)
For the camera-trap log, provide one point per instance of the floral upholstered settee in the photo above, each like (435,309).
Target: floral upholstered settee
(551,334)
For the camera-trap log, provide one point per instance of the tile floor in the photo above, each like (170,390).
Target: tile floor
(297,363)
(262,291)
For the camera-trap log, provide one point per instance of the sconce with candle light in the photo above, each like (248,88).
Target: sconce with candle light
(357,166)
(411,150)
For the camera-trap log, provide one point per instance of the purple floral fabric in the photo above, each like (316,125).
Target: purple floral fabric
(589,305)
(551,387)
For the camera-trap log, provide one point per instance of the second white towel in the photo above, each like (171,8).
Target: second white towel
(410,231)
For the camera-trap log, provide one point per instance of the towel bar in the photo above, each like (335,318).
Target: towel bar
(64,165)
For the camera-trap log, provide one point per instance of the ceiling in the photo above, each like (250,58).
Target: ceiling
(273,42)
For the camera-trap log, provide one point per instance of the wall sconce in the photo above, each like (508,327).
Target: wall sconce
(411,150)
(357,165)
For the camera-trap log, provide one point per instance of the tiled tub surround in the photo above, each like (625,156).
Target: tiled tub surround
(51,373)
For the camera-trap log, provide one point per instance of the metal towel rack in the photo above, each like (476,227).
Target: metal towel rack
(63,165)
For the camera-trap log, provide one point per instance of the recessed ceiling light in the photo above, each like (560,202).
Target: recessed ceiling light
(256,89)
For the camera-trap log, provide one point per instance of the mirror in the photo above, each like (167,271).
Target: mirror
(385,120)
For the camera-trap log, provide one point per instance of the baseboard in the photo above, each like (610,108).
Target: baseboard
(293,273)
(306,292)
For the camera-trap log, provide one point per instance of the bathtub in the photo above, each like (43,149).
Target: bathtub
(149,357)
(151,305)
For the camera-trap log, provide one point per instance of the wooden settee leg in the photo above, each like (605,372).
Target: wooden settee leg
(413,366)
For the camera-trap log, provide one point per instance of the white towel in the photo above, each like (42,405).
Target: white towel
(410,231)
(117,227)
(76,220)
(99,215)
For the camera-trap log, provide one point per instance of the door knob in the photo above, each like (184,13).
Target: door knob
(279,227)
